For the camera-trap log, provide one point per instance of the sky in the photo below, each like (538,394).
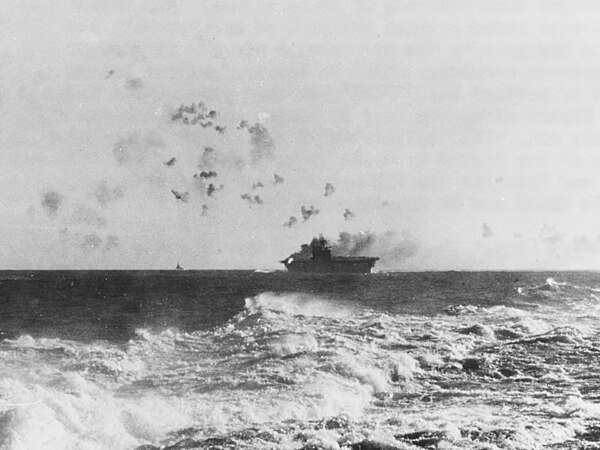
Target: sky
(439,135)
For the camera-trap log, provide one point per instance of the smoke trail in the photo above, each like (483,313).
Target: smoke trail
(170,162)
(220,129)
(486,230)
(291,222)
(307,213)
(348,215)
(183,196)
(329,190)
(390,247)
(51,201)
(277,179)
(104,194)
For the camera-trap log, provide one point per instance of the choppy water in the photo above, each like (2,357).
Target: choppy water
(148,360)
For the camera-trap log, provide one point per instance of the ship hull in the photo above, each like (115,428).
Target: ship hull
(331,266)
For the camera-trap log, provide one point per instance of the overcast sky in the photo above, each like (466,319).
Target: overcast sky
(454,135)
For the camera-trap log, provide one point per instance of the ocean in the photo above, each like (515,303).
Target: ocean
(240,359)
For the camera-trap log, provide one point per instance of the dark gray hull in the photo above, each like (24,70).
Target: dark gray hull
(350,265)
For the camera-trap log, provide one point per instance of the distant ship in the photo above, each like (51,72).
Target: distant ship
(316,258)
(178,267)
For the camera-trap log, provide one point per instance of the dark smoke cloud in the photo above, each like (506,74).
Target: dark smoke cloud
(88,216)
(204,210)
(197,114)
(252,199)
(257,185)
(277,179)
(262,142)
(348,215)
(388,246)
(205,175)
(307,213)
(329,189)
(51,201)
(134,84)
(291,222)
(105,194)
(486,230)
(183,196)
(109,74)
(170,162)
(211,189)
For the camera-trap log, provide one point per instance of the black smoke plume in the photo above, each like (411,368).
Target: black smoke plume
(51,201)
(277,179)
(220,129)
(388,246)
(329,189)
(257,185)
(170,162)
(291,222)
(348,215)
(307,213)
(204,210)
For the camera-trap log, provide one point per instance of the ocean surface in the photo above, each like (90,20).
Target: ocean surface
(239,359)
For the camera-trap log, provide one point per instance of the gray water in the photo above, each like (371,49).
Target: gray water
(125,360)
